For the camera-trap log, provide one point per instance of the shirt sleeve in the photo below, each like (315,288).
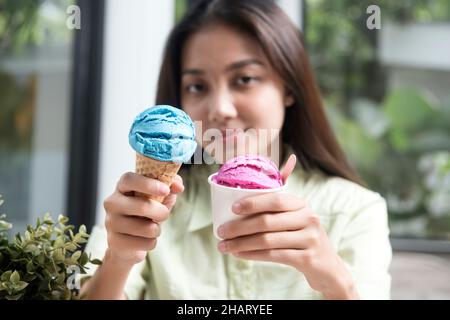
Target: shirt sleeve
(96,246)
(366,250)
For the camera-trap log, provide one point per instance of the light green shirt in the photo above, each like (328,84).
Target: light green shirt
(187,265)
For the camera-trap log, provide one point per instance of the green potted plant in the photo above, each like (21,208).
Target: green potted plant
(42,263)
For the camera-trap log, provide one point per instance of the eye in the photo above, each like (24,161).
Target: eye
(245,80)
(195,88)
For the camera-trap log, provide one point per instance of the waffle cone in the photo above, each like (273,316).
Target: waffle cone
(159,170)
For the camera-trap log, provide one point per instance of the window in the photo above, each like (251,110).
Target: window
(35,108)
(45,109)
(386,91)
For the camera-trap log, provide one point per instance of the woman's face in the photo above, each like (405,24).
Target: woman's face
(228,83)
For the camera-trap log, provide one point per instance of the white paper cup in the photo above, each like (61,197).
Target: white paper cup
(223,197)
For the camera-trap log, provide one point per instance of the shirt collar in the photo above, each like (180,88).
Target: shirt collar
(201,216)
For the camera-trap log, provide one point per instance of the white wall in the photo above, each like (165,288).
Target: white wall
(293,8)
(135,33)
(417,56)
(415,45)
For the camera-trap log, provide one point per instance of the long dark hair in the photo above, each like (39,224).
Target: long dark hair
(306,128)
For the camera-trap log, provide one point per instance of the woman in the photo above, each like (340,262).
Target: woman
(238,65)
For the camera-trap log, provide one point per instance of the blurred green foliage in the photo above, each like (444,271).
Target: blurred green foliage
(17,19)
(398,157)
(397,138)
(26,24)
(180,9)
(343,49)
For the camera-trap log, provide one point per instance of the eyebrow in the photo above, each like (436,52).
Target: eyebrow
(233,66)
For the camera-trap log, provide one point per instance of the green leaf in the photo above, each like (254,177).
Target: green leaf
(6,275)
(48,219)
(76,255)
(59,243)
(4,226)
(96,261)
(82,229)
(30,267)
(78,238)
(15,277)
(28,277)
(31,248)
(21,285)
(58,255)
(14,297)
(62,219)
(84,258)
(407,109)
(61,278)
(70,246)
(58,231)
(40,259)
(82,240)
(40,232)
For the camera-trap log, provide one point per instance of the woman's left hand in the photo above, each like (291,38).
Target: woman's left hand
(280,227)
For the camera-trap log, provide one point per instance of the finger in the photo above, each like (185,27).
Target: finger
(269,202)
(170,201)
(127,243)
(133,226)
(266,222)
(288,168)
(267,240)
(290,257)
(176,187)
(136,206)
(178,178)
(130,181)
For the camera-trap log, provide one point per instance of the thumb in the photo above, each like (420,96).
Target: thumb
(288,168)
(169,201)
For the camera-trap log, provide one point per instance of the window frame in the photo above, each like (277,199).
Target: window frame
(85,117)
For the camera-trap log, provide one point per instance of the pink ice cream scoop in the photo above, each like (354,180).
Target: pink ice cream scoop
(249,172)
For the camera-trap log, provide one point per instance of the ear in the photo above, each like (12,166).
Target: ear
(289,100)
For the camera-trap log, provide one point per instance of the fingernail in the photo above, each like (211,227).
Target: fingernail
(163,189)
(220,231)
(222,246)
(236,207)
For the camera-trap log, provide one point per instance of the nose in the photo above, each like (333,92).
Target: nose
(222,107)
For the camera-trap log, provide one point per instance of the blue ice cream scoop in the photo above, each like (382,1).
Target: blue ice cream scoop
(164,133)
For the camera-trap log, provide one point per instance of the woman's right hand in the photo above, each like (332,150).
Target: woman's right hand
(133,222)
